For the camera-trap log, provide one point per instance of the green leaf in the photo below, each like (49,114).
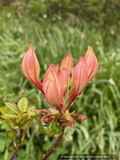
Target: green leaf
(41,127)
(52,133)
(8,125)
(28,114)
(7,116)
(32,122)
(23,116)
(23,104)
(3,111)
(54,129)
(31,113)
(30,108)
(11,135)
(2,122)
(16,127)
(12,107)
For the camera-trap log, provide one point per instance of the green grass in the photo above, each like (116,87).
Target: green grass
(100,101)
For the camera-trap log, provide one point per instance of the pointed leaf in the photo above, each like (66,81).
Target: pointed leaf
(30,114)
(9,125)
(32,122)
(30,108)
(3,110)
(23,104)
(23,116)
(2,122)
(55,129)
(11,135)
(16,127)
(41,127)
(52,133)
(12,107)
(7,116)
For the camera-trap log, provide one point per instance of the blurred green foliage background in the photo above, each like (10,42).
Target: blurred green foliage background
(57,28)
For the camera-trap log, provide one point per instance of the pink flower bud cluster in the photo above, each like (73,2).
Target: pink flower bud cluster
(61,87)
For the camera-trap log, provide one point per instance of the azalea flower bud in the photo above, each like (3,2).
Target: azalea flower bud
(53,88)
(80,76)
(65,78)
(67,63)
(91,62)
(61,88)
(31,68)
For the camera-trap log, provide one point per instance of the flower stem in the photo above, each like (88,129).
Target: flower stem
(18,145)
(54,146)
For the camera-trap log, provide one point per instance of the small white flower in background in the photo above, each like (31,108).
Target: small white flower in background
(71,30)
(8,15)
(22,55)
(20,29)
(44,15)
(45,41)
(112,32)
(82,35)
(111,81)
(70,138)
(97,42)
(46,138)
(59,17)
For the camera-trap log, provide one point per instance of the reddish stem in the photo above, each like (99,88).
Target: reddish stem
(54,146)
(18,145)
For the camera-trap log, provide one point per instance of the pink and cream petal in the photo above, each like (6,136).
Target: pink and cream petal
(91,62)
(67,63)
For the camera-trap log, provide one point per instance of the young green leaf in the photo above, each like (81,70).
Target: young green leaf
(16,127)
(23,104)
(7,116)
(52,133)
(31,113)
(12,107)
(31,122)
(27,114)
(41,127)
(11,135)
(30,108)
(9,125)
(3,111)
(2,122)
